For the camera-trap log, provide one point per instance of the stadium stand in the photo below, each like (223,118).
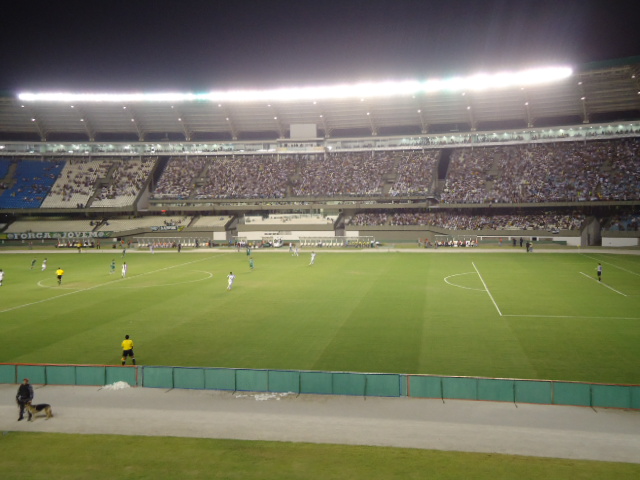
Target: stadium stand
(33,181)
(457,221)
(127,224)
(77,183)
(178,178)
(561,164)
(415,174)
(289,219)
(565,172)
(127,179)
(624,223)
(50,225)
(253,176)
(5,163)
(210,221)
(344,174)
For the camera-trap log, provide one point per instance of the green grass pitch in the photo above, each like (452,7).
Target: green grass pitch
(510,315)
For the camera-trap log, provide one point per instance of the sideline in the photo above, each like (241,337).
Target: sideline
(603,284)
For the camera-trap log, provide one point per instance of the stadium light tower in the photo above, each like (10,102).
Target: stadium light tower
(478,82)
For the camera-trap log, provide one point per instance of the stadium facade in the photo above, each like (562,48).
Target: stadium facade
(394,163)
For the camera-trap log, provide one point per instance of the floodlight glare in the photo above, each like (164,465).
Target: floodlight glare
(478,82)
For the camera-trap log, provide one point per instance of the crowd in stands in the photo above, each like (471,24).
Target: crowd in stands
(267,176)
(344,174)
(250,176)
(128,177)
(415,174)
(368,219)
(526,173)
(545,172)
(548,221)
(624,223)
(178,178)
(563,172)
(467,175)
(64,183)
(76,183)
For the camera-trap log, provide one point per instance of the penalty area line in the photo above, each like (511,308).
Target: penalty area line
(486,289)
(603,284)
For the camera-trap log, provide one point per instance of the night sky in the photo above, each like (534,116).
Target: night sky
(135,45)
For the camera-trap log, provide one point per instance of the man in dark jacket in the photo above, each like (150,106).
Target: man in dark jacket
(24,396)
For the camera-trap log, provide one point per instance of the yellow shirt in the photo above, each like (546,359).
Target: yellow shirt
(60,272)
(127,345)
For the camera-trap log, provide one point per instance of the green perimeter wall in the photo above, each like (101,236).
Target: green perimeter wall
(332,383)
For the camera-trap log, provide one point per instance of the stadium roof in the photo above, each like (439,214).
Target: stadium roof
(595,92)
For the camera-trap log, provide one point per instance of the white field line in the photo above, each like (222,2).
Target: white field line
(573,316)
(209,275)
(603,284)
(486,288)
(612,264)
(17,307)
(446,280)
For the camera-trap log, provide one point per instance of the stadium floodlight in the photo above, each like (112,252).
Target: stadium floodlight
(478,82)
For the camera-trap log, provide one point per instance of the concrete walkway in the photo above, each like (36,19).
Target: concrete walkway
(490,427)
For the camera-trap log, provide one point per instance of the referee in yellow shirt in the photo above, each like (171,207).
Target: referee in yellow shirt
(127,350)
(59,274)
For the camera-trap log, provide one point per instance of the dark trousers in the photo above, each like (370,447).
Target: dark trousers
(22,404)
